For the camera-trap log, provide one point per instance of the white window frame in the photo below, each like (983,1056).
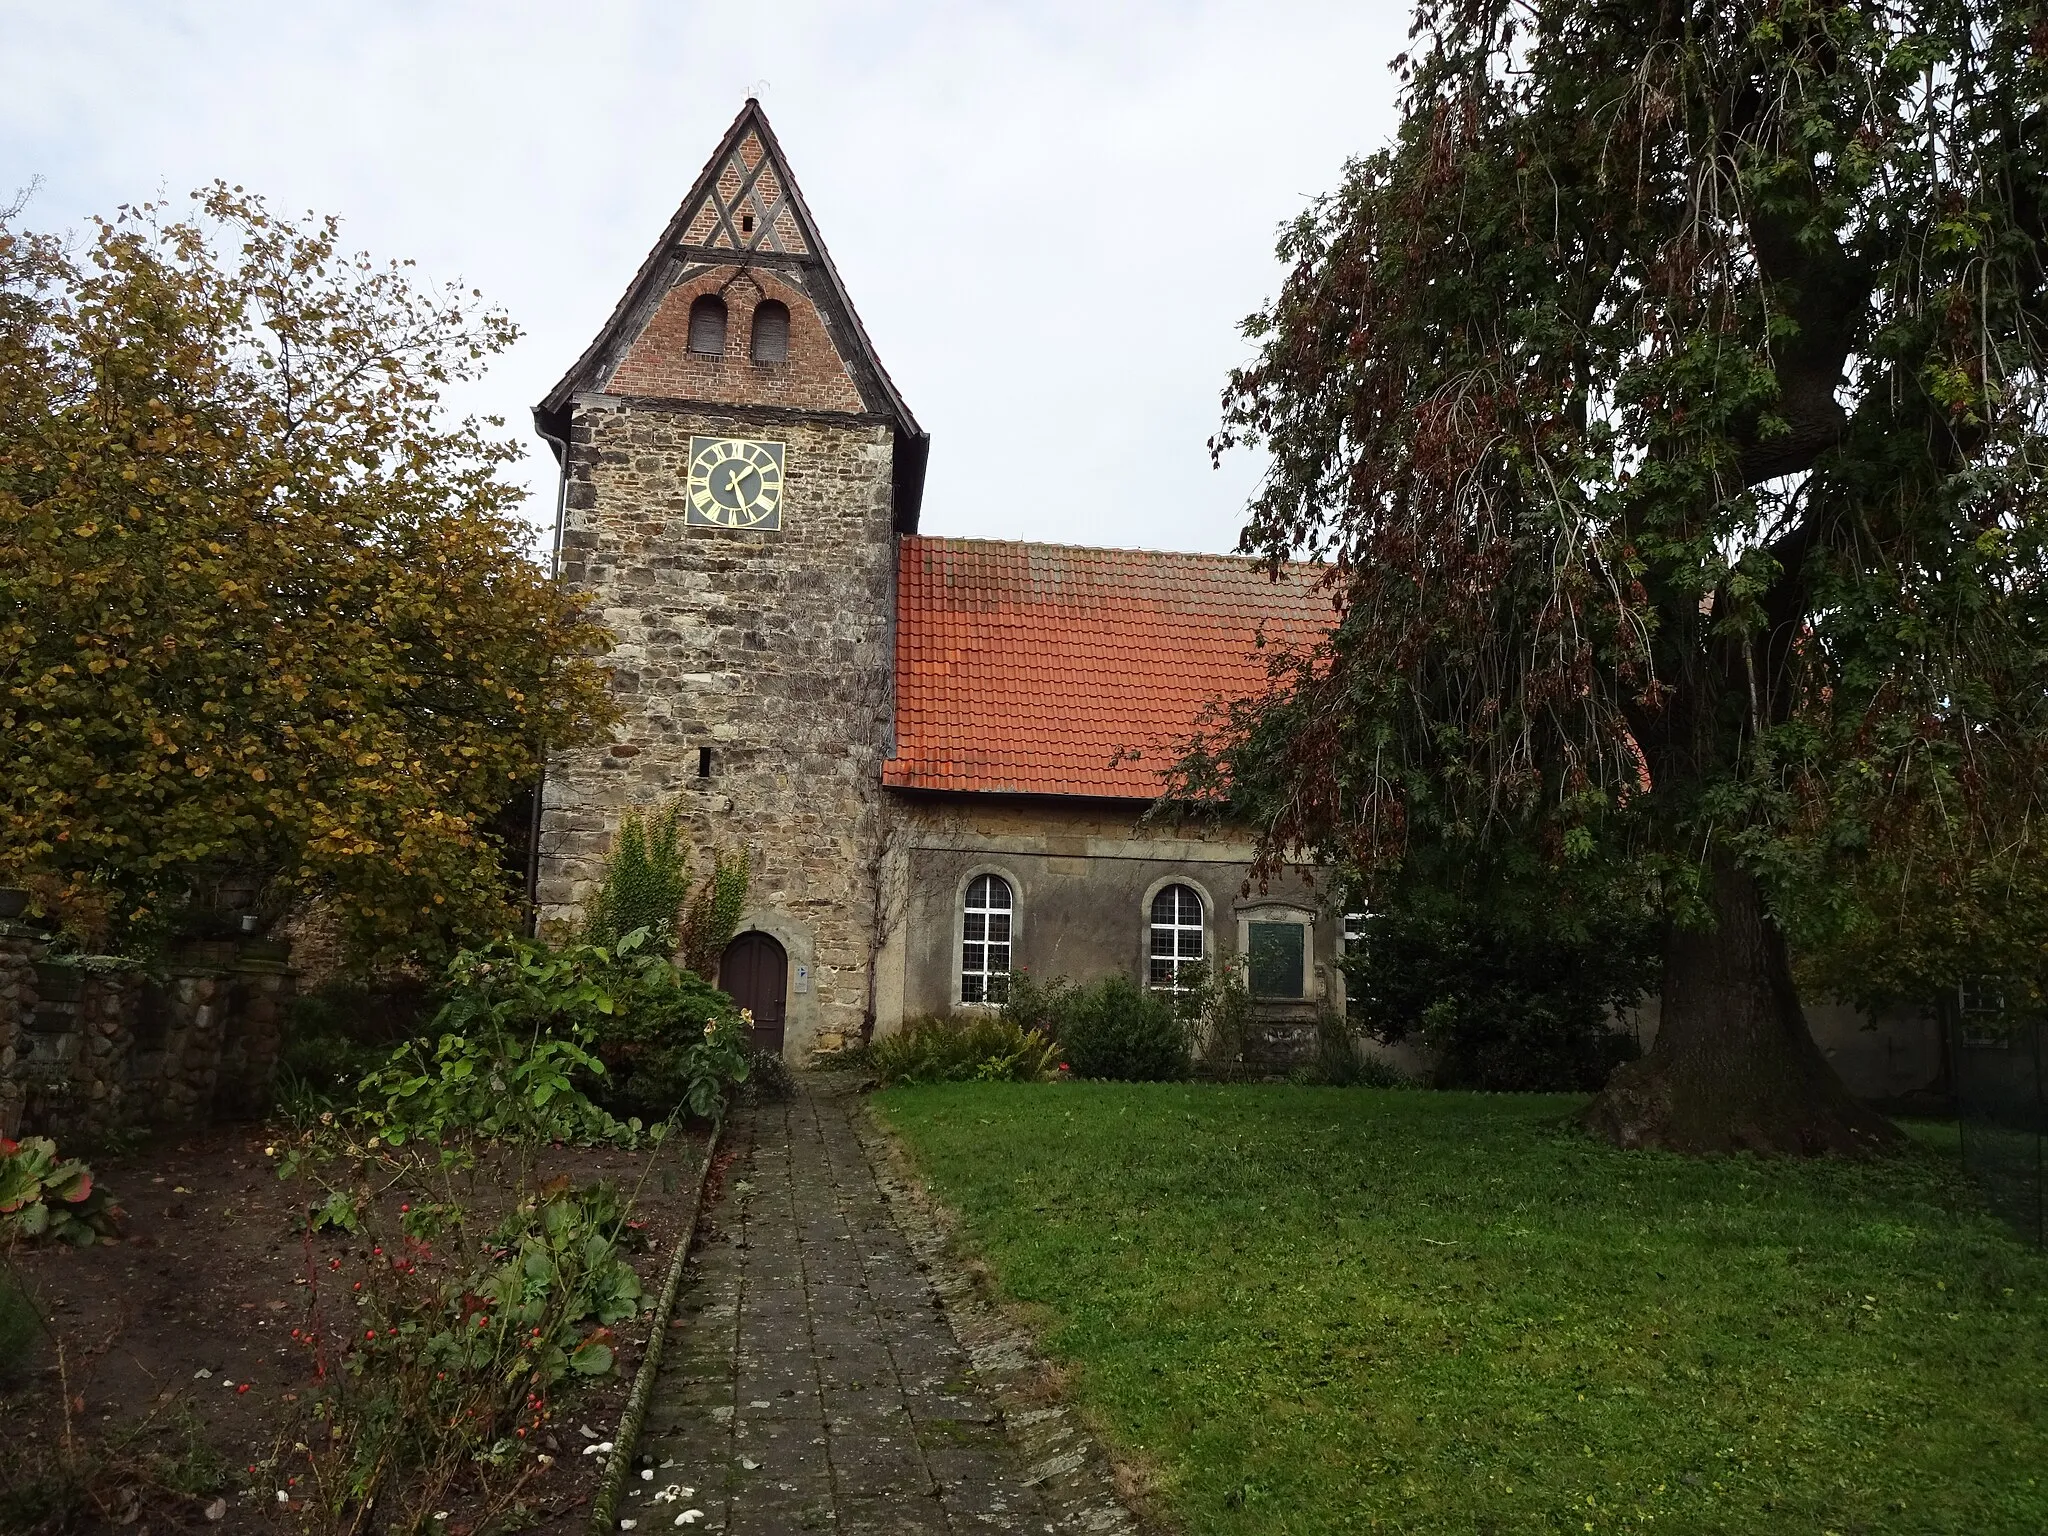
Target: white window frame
(1178,965)
(994,984)
(1354,931)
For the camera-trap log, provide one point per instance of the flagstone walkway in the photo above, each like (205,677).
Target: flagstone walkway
(813,1381)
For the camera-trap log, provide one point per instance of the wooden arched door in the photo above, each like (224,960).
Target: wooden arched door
(754,972)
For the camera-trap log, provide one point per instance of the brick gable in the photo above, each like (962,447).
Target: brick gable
(659,363)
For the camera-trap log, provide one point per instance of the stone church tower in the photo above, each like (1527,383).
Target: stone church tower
(736,468)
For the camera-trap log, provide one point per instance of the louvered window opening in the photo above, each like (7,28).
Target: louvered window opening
(1176,939)
(707,326)
(771,332)
(985,931)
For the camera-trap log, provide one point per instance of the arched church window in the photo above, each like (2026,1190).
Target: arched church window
(986,927)
(1176,950)
(771,332)
(707,326)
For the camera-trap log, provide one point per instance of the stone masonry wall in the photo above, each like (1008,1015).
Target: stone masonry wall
(773,649)
(88,1049)
(19,948)
(1082,878)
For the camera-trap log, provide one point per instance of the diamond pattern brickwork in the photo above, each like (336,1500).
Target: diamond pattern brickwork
(748,207)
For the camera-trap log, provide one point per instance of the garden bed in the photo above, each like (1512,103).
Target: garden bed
(1315,1310)
(185,1382)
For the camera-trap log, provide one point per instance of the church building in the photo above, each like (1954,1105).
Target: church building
(937,754)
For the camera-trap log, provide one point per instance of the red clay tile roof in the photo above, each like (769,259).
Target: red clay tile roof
(1039,668)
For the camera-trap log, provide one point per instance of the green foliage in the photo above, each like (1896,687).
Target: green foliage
(1441,1313)
(534,1042)
(645,882)
(1217,1012)
(1505,999)
(1111,1028)
(1338,1063)
(265,610)
(337,1034)
(671,1042)
(1914,921)
(714,913)
(491,1084)
(42,1195)
(1669,401)
(964,1048)
(454,1365)
(768,1076)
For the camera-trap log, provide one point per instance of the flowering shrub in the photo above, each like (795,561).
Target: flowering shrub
(455,1352)
(673,1042)
(41,1196)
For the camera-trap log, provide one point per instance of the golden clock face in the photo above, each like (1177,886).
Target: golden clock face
(735,483)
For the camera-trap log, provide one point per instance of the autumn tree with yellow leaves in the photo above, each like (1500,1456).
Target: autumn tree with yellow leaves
(266,608)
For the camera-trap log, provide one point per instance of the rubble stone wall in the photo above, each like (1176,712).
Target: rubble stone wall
(88,1049)
(755,671)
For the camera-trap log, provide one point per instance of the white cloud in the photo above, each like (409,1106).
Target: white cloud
(1050,216)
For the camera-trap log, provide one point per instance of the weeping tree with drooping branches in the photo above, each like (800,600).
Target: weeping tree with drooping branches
(1666,406)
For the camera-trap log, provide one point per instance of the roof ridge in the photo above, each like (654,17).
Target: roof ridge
(1109,549)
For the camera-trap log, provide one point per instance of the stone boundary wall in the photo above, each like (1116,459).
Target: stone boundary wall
(88,1049)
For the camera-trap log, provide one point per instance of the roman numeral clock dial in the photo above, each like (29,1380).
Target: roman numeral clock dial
(735,483)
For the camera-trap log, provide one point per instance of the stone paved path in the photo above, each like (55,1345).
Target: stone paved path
(812,1381)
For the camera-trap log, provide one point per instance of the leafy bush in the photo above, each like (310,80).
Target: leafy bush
(645,882)
(536,1044)
(714,913)
(493,1084)
(1506,1002)
(967,1048)
(671,1041)
(451,1372)
(768,1075)
(338,1033)
(1216,1013)
(42,1195)
(1114,1028)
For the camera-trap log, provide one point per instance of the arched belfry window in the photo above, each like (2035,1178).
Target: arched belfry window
(771,332)
(1176,951)
(986,923)
(707,326)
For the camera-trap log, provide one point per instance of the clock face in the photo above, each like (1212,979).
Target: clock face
(735,483)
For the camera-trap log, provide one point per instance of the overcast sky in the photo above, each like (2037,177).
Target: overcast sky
(1051,216)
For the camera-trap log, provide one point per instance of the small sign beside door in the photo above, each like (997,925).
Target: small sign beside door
(803,978)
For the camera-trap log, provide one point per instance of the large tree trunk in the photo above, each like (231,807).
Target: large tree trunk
(1734,1068)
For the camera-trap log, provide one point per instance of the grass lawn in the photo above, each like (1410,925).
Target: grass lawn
(1315,1309)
